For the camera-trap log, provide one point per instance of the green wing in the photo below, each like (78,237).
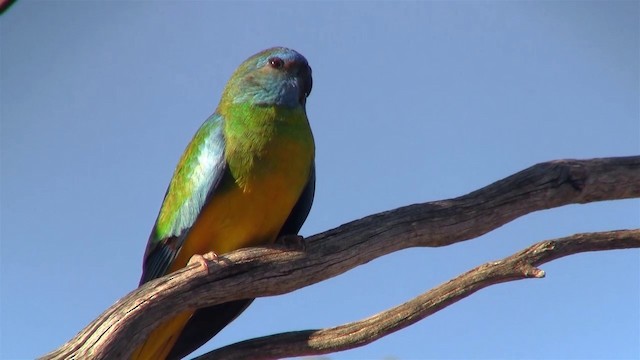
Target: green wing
(196,177)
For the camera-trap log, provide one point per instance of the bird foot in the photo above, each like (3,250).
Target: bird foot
(203,259)
(292,242)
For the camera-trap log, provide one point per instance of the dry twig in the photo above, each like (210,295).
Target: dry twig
(257,272)
(521,265)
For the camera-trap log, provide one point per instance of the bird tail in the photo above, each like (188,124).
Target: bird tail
(205,324)
(161,340)
(183,334)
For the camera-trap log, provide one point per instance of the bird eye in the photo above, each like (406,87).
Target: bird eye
(276,62)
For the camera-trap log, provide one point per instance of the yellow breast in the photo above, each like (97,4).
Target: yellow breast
(251,212)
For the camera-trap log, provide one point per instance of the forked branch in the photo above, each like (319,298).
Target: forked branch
(521,265)
(257,272)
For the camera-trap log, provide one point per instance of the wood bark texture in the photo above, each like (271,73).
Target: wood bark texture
(256,272)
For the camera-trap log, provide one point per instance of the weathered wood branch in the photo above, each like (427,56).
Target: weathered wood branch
(521,265)
(257,272)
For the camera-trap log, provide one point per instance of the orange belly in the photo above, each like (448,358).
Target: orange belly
(241,217)
(238,215)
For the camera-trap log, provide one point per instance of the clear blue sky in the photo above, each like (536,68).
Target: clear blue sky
(412,102)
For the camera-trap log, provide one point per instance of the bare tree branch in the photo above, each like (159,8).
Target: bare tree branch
(521,265)
(257,272)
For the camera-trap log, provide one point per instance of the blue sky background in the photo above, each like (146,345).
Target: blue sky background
(412,102)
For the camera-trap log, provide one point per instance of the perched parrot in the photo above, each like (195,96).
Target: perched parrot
(246,178)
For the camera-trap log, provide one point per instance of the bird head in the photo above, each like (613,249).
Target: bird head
(276,76)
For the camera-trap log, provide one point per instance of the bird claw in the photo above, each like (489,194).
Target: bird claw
(203,259)
(292,242)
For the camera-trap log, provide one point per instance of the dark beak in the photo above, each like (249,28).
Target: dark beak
(306,83)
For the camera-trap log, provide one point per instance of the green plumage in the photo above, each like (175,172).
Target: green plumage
(246,178)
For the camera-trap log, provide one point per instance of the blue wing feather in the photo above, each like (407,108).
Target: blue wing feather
(205,323)
(301,210)
(205,175)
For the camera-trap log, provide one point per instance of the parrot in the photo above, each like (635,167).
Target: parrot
(247,178)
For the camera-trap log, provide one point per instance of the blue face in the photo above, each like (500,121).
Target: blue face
(276,76)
